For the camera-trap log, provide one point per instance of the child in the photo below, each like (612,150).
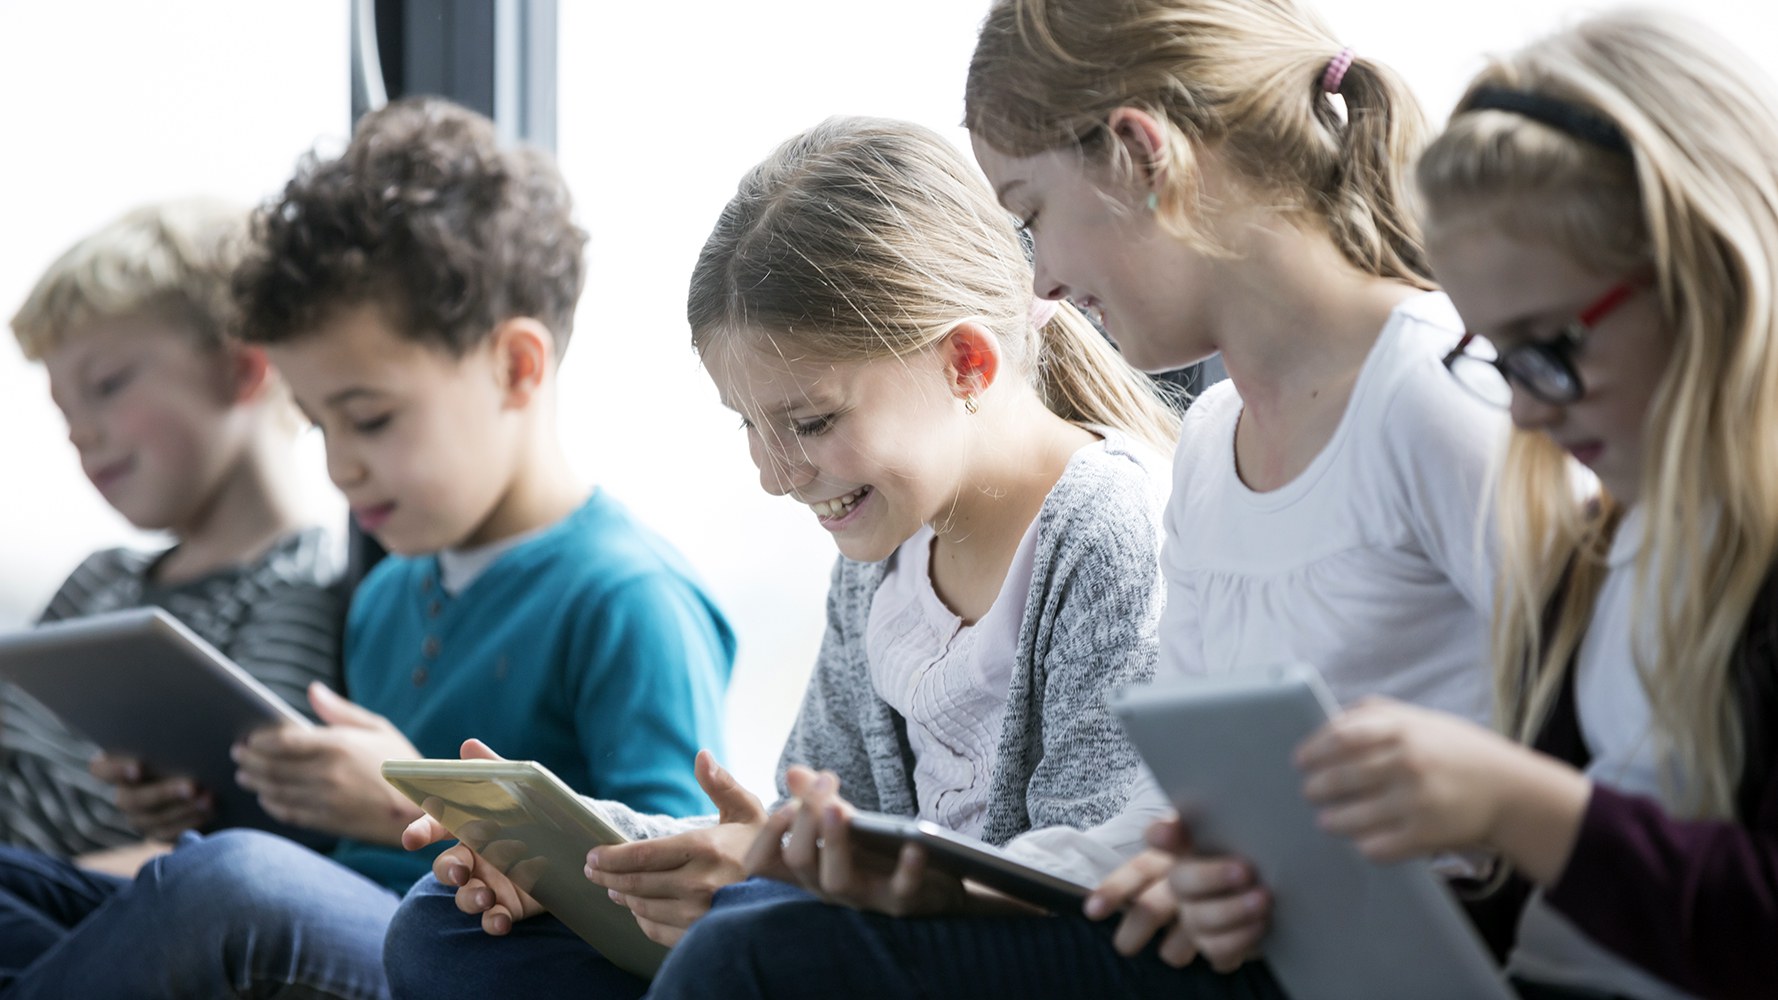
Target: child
(183,429)
(1185,171)
(983,464)
(418,293)
(1620,172)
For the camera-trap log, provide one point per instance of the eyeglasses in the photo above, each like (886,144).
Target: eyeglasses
(1544,368)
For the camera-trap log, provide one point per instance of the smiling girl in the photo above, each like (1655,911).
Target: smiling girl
(988,468)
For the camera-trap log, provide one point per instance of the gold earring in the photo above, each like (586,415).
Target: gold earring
(970,404)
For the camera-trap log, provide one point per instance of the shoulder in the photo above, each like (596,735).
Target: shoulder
(1419,405)
(602,552)
(1110,487)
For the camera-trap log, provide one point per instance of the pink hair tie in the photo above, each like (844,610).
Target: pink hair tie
(1042,311)
(1335,73)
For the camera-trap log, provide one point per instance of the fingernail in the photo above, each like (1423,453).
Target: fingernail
(592,859)
(616,897)
(1096,907)
(587,871)
(133,772)
(187,791)
(234,753)
(827,783)
(1232,872)
(456,875)
(1251,902)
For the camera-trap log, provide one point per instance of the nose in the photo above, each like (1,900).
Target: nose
(1043,284)
(1533,414)
(781,470)
(83,431)
(344,466)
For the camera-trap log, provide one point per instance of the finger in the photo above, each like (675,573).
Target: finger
(423,831)
(802,850)
(665,934)
(473,749)
(1177,947)
(474,896)
(1210,878)
(1172,835)
(656,855)
(1364,817)
(1226,952)
(285,742)
(1352,731)
(835,862)
(677,912)
(454,866)
(908,879)
(765,857)
(1128,880)
(799,780)
(116,770)
(1152,909)
(497,920)
(190,816)
(734,804)
(1356,775)
(1224,915)
(338,710)
(156,796)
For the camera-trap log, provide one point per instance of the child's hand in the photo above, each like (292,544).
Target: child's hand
(667,882)
(808,842)
(1403,781)
(160,809)
(483,883)
(1211,906)
(329,778)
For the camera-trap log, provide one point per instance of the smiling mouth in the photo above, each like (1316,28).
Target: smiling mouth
(108,476)
(828,510)
(372,518)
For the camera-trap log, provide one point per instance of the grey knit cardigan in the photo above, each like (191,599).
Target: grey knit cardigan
(1090,628)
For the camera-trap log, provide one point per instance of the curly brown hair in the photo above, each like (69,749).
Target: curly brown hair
(426,217)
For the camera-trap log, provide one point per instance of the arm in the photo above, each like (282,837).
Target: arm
(1692,901)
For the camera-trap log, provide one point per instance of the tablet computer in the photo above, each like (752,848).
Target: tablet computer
(1343,926)
(968,858)
(140,684)
(527,823)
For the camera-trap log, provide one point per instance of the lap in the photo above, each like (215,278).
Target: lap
(789,944)
(434,949)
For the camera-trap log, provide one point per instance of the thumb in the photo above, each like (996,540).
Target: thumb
(734,804)
(474,749)
(336,710)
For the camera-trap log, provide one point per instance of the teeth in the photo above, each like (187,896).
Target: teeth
(838,505)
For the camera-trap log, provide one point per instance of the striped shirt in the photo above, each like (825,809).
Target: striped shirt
(278,617)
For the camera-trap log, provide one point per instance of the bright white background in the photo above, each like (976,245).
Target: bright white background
(663,107)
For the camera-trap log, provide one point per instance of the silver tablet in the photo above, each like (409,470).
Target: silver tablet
(968,858)
(527,823)
(140,684)
(1342,925)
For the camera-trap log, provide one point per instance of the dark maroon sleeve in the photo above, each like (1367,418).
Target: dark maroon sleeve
(1694,902)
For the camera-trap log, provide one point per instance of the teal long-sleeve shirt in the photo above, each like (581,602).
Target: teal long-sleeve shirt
(591,648)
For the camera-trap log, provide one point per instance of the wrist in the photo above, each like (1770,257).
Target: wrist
(1538,815)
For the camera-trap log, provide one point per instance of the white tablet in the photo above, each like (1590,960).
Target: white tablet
(1342,925)
(527,823)
(968,858)
(140,684)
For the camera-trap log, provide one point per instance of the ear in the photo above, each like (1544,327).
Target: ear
(524,356)
(249,372)
(971,355)
(1144,140)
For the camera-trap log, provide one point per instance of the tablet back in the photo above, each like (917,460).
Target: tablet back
(140,684)
(1342,925)
(522,819)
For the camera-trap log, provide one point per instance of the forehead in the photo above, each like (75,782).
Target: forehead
(357,347)
(108,337)
(755,371)
(1495,277)
(1013,176)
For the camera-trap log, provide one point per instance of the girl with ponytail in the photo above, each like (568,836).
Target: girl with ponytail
(991,472)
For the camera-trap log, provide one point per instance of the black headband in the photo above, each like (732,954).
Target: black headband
(1562,116)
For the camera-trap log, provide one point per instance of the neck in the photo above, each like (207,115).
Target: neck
(542,491)
(1292,317)
(256,504)
(1017,453)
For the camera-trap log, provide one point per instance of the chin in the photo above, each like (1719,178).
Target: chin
(867,550)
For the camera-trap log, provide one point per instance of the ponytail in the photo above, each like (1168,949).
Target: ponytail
(1084,379)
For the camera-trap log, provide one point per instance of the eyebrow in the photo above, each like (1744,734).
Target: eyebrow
(356,392)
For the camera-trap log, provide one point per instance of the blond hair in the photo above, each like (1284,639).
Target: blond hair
(1697,203)
(1240,77)
(866,238)
(172,260)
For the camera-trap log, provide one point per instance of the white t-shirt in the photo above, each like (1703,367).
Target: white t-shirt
(1371,565)
(1617,725)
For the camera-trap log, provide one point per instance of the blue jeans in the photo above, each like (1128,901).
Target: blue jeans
(436,950)
(763,939)
(239,913)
